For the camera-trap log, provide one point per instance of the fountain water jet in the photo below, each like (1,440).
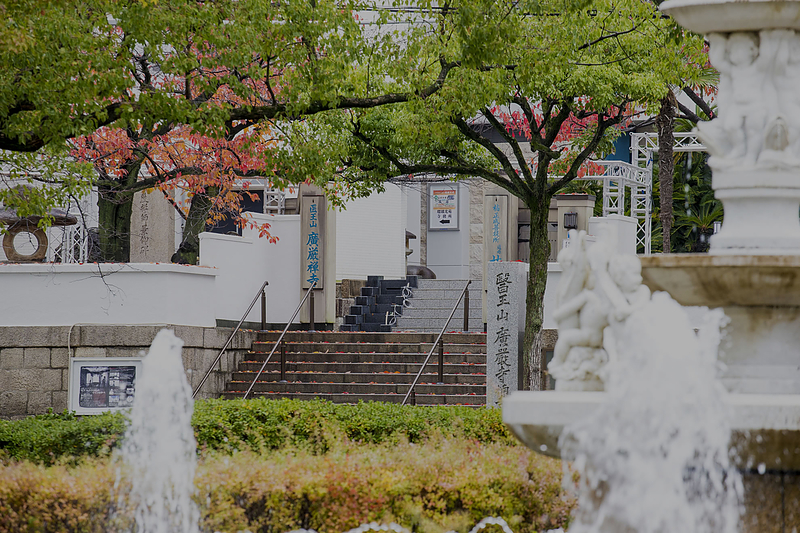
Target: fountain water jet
(159,448)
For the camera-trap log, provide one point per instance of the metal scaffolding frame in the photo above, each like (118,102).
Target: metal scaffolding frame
(637,176)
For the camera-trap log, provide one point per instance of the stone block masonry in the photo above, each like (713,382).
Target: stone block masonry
(34,361)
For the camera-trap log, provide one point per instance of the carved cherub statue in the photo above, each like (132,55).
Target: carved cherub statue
(782,137)
(581,315)
(626,295)
(599,290)
(744,64)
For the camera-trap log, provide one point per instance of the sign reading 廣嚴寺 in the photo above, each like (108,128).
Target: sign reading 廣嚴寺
(443,202)
(312,236)
(505,322)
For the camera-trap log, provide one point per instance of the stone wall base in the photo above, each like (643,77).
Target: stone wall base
(34,361)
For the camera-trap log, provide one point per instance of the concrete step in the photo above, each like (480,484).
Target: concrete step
(435,324)
(363,336)
(476,285)
(350,377)
(421,399)
(440,312)
(367,347)
(362,368)
(377,357)
(444,296)
(356,388)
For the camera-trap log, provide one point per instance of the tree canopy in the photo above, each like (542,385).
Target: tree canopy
(526,114)
(353,93)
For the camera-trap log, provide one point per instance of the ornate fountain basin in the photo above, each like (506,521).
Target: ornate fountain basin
(760,294)
(766,427)
(709,16)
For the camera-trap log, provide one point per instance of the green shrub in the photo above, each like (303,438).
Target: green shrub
(51,437)
(258,425)
(263,424)
(438,485)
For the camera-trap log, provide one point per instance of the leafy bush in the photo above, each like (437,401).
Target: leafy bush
(263,424)
(51,437)
(430,487)
(258,425)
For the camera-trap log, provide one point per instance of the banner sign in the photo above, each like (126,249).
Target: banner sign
(312,235)
(495,221)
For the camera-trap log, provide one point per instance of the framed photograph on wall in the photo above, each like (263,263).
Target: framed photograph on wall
(100,384)
(443,206)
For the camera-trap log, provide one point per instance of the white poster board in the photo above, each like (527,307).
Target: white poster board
(100,384)
(443,206)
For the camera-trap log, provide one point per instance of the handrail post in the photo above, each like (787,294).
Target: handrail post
(278,342)
(263,310)
(230,338)
(413,397)
(283,362)
(311,312)
(466,310)
(436,343)
(441,361)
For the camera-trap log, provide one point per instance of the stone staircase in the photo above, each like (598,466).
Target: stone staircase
(346,367)
(379,302)
(432,301)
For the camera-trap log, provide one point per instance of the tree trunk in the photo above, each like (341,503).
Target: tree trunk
(189,249)
(534,301)
(115,209)
(665,122)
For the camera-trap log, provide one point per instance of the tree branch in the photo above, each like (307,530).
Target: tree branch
(572,173)
(699,101)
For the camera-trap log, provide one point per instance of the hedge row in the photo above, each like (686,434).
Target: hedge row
(273,424)
(439,485)
(258,425)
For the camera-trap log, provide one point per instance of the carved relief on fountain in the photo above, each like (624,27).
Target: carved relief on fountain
(759,107)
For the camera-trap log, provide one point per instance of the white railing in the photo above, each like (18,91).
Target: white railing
(68,244)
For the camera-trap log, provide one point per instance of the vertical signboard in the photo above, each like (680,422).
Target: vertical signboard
(312,237)
(505,311)
(443,206)
(495,223)
(97,385)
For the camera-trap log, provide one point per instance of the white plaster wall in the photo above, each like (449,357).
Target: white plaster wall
(413,199)
(448,250)
(621,231)
(371,235)
(53,294)
(554,271)
(245,262)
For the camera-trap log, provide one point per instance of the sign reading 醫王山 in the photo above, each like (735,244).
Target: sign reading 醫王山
(312,235)
(443,213)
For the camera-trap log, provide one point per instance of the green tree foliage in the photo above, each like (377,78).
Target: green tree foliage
(216,69)
(553,89)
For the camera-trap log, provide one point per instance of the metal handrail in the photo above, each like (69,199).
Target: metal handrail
(225,347)
(435,344)
(280,339)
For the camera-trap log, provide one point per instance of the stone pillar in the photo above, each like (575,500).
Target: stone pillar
(505,326)
(152,228)
(582,204)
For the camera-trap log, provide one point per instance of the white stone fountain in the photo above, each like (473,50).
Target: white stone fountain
(752,273)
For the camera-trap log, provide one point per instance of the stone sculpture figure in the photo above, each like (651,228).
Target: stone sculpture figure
(581,316)
(782,137)
(758,103)
(745,63)
(598,292)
